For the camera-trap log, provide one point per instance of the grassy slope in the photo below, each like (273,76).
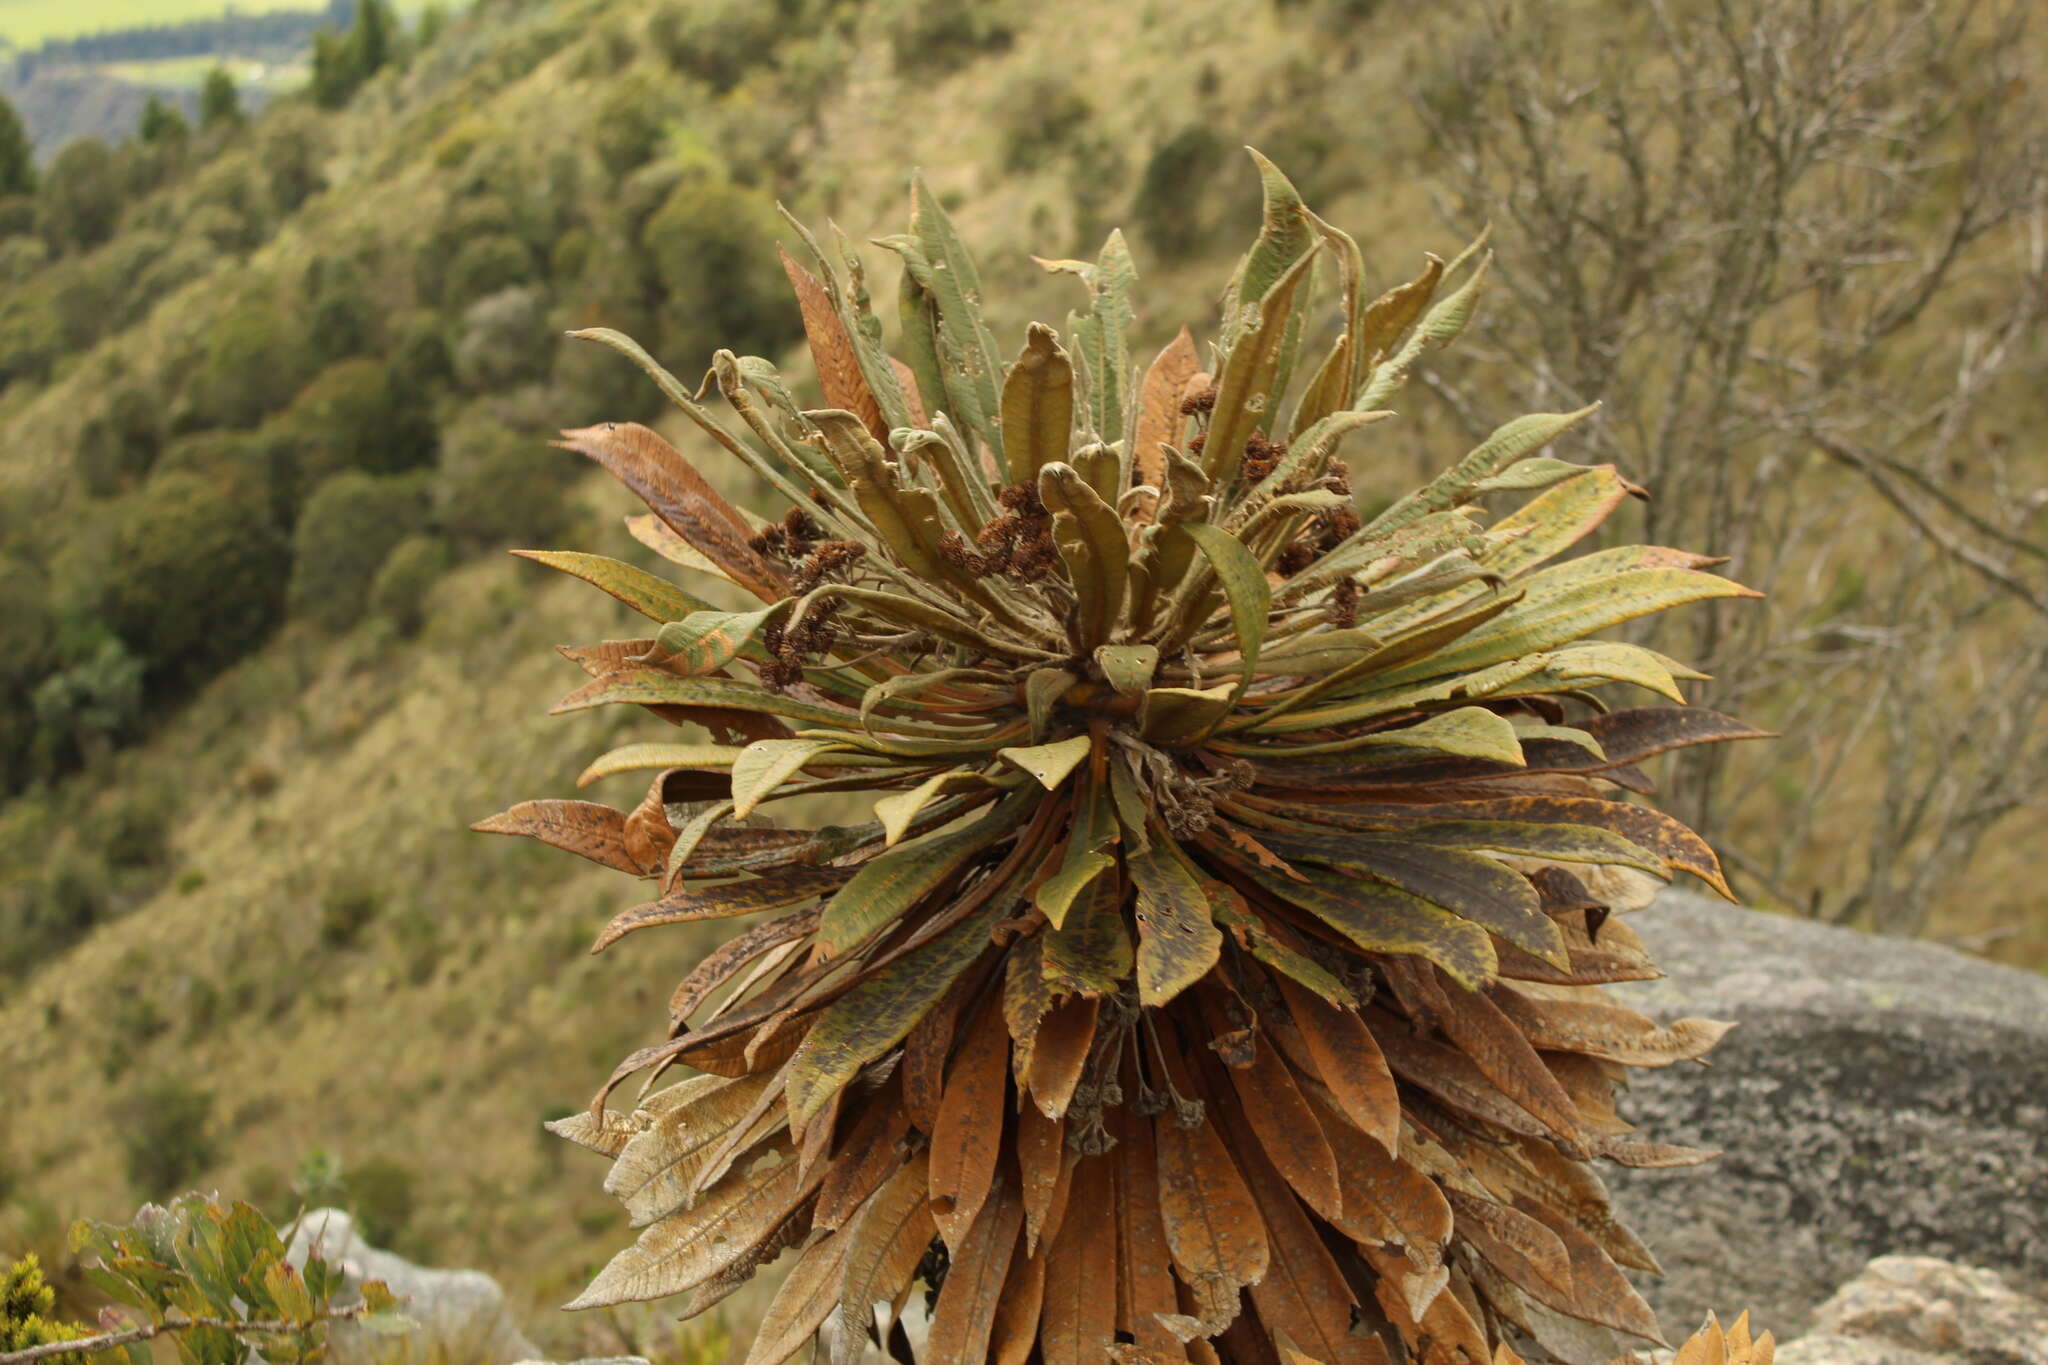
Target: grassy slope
(467,1006)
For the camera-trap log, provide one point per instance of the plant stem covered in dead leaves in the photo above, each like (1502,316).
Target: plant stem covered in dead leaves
(1216,979)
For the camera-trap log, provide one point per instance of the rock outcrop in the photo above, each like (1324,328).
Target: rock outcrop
(462,1313)
(1878,1097)
(1916,1310)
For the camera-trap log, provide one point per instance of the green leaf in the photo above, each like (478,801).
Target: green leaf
(1468,732)
(1038,405)
(1616,662)
(1178,941)
(1285,240)
(655,598)
(879,1013)
(765,764)
(897,813)
(1129,668)
(1181,715)
(1385,919)
(1051,763)
(704,642)
(692,834)
(1244,587)
(1245,387)
(1562,617)
(1093,545)
(1468,885)
(643,757)
(1042,689)
(1562,843)
(1511,442)
(649,687)
(1093,828)
(890,884)
(1089,951)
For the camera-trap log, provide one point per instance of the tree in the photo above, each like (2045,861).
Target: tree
(80,198)
(161,123)
(220,104)
(349,528)
(17,154)
(1799,272)
(256,359)
(190,574)
(369,38)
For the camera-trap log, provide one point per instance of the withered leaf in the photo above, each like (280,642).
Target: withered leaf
(581,827)
(969,1132)
(1078,1320)
(1348,1061)
(726,900)
(1059,1054)
(887,1242)
(965,1315)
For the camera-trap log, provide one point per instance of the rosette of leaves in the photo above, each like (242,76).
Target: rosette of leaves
(1218,965)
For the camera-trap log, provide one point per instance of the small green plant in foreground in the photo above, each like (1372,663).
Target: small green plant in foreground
(213,1278)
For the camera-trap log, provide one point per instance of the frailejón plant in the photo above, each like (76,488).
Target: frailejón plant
(1217,967)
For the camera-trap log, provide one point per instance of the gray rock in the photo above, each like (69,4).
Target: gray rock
(1918,1308)
(462,1313)
(1879,1096)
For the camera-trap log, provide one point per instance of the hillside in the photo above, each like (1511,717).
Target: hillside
(243,920)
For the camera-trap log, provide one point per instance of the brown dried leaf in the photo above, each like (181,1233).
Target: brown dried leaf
(1159,398)
(673,489)
(1043,1159)
(864,1161)
(888,1241)
(724,901)
(1303,1294)
(1287,1129)
(581,827)
(1059,1054)
(1078,1321)
(1348,1061)
(1015,1333)
(964,1317)
(969,1133)
(832,352)
(1213,1228)
(1600,1292)
(802,1304)
(1144,1274)
(1490,1038)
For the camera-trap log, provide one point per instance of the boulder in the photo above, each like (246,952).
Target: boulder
(1878,1096)
(1916,1310)
(461,1313)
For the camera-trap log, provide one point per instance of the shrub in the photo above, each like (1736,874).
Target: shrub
(81,196)
(349,526)
(117,446)
(1226,942)
(1168,206)
(487,265)
(17,154)
(928,36)
(345,911)
(399,592)
(256,360)
(380,1196)
(504,341)
(86,709)
(712,245)
(1039,117)
(352,416)
(498,487)
(188,573)
(291,146)
(165,1131)
(716,41)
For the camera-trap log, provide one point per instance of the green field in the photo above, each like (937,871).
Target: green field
(27,23)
